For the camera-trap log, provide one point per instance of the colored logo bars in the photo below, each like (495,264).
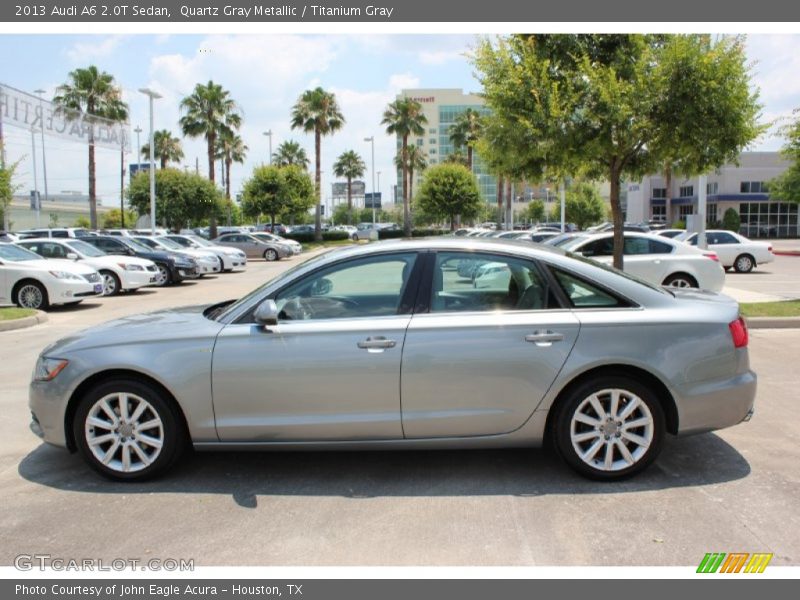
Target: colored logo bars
(735,562)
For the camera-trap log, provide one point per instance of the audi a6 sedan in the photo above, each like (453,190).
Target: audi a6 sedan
(557,347)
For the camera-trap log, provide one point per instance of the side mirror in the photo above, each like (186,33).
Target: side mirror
(72,256)
(266,313)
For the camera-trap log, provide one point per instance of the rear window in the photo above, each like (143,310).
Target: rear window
(583,294)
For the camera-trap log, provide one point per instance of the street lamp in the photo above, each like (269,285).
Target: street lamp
(44,158)
(153,96)
(269,135)
(371,140)
(138,130)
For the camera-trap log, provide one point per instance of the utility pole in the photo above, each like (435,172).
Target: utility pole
(269,135)
(152,95)
(44,157)
(35,178)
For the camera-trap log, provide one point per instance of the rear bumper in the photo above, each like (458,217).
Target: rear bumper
(714,405)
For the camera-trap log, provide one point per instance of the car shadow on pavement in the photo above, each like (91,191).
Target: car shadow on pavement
(694,461)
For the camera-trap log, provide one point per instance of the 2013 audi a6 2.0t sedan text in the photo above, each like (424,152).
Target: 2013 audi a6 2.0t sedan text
(386,346)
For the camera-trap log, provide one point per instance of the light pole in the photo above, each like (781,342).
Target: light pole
(153,96)
(269,135)
(371,140)
(35,178)
(379,187)
(44,158)
(138,130)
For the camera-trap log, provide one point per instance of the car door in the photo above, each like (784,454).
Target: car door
(480,360)
(330,368)
(725,245)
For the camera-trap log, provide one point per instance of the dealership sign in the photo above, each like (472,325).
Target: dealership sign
(20,109)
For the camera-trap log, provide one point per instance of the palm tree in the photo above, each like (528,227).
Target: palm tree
(404,117)
(209,112)
(167,148)
(349,165)
(90,91)
(317,110)
(230,149)
(290,153)
(415,161)
(465,131)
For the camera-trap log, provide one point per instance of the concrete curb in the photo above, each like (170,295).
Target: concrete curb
(39,317)
(773,322)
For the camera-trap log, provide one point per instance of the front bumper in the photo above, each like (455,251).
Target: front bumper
(717,404)
(133,280)
(67,290)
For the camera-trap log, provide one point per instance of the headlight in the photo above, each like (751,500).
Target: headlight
(47,368)
(129,267)
(65,275)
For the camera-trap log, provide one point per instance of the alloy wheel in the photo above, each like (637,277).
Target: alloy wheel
(30,296)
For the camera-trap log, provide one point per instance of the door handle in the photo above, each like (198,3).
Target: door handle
(376,343)
(544,338)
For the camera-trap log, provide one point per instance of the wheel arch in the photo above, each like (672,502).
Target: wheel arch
(109,375)
(684,274)
(27,279)
(665,398)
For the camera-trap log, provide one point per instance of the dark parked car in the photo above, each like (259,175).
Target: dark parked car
(171,268)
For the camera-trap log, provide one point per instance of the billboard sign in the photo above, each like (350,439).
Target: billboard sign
(372,200)
(340,189)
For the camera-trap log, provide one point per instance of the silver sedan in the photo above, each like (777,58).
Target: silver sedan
(254,247)
(556,346)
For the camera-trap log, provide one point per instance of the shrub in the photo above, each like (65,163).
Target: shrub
(327,236)
(731,220)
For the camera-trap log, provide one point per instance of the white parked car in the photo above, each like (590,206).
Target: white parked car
(119,273)
(670,233)
(30,281)
(54,232)
(656,259)
(207,262)
(492,275)
(230,258)
(734,250)
(296,246)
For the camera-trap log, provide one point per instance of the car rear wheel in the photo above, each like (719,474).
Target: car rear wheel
(126,430)
(744,263)
(680,280)
(609,428)
(111,283)
(162,276)
(270,255)
(31,294)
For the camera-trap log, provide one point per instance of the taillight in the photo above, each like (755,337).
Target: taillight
(769,248)
(739,333)
(712,255)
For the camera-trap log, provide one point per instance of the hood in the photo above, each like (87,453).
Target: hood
(185,322)
(59,265)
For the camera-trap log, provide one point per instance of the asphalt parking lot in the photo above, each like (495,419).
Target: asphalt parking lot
(731,491)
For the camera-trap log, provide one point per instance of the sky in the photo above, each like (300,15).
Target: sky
(265,75)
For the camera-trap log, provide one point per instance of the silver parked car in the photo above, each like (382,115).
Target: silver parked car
(603,363)
(254,247)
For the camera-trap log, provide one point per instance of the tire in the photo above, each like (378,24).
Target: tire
(104,439)
(744,263)
(605,449)
(680,280)
(111,283)
(163,276)
(31,294)
(270,255)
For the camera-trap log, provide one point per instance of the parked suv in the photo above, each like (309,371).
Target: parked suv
(169,267)
(54,232)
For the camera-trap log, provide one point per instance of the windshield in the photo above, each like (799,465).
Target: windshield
(561,239)
(199,241)
(15,253)
(85,249)
(147,242)
(172,245)
(134,245)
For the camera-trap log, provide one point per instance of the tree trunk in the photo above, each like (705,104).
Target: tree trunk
(212,220)
(453,222)
(499,198)
(228,162)
(406,215)
(349,201)
(317,176)
(163,162)
(509,200)
(410,186)
(92,187)
(469,158)
(616,212)
(668,196)
(122,187)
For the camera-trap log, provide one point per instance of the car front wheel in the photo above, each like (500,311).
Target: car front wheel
(609,428)
(111,283)
(126,430)
(162,276)
(32,294)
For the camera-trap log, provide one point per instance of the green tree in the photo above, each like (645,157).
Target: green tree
(167,148)
(209,111)
(113,218)
(349,165)
(534,212)
(583,205)
(180,197)
(614,106)
(404,117)
(731,220)
(290,153)
(230,149)
(93,92)
(465,131)
(786,187)
(82,221)
(7,189)
(415,162)
(317,111)
(448,190)
(274,191)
